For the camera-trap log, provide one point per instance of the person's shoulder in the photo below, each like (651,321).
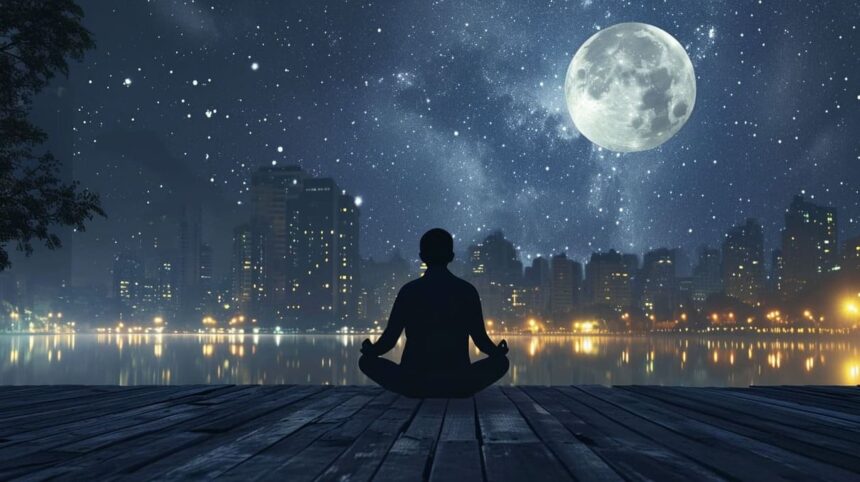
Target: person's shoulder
(464,285)
(410,286)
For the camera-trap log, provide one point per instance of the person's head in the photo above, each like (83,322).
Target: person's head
(437,247)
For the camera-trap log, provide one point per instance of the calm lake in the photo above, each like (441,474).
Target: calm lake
(695,360)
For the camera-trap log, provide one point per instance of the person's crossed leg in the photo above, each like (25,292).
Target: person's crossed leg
(455,384)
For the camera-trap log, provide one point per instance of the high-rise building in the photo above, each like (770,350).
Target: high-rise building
(348,262)
(851,255)
(538,280)
(206,266)
(809,244)
(166,284)
(565,287)
(242,268)
(275,235)
(743,266)
(188,276)
(496,271)
(659,283)
(609,278)
(311,277)
(380,283)
(706,280)
(306,231)
(128,280)
(500,259)
(777,270)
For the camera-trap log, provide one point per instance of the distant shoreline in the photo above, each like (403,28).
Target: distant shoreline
(708,332)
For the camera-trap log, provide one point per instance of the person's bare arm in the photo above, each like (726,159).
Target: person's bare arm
(396,323)
(479,332)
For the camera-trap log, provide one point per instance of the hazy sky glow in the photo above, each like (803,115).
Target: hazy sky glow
(452,114)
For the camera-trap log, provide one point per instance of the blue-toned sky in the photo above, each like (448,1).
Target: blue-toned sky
(452,114)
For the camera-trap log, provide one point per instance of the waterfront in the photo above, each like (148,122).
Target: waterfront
(688,360)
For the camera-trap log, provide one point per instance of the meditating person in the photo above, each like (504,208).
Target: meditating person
(439,312)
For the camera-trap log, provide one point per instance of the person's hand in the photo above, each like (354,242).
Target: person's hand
(366,346)
(503,347)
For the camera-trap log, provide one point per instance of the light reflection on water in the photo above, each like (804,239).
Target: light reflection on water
(140,359)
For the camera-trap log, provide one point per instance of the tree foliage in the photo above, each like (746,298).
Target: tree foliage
(37,39)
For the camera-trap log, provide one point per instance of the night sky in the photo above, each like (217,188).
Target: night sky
(452,114)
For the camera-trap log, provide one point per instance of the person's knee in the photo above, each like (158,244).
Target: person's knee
(501,364)
(365,364)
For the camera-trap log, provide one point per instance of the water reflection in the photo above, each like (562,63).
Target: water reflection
(138,359)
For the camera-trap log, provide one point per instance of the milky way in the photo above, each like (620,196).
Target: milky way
(452,114)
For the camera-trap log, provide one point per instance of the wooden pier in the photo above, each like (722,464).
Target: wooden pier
(361,433)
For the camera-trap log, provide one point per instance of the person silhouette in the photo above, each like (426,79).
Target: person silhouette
(439,312)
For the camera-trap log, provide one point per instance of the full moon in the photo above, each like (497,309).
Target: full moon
(630,87)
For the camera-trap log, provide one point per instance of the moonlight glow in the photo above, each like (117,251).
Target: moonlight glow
(630,87)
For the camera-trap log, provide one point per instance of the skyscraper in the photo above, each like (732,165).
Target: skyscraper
(743,266)
(306,230)
(659,283)
(538,280)
(706,276)
(206,267)
(242,268)
(777,270)
(380,283)
(166,284)
(851,255)
(565,287)
(275,232)
(188,288)
(809,244)
(609,277)
(496,271)
(128,278)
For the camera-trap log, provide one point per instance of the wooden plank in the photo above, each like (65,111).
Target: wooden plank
(806,398)
(829,416)
(361,460)
(271,458)
(312,461)
(720,460)
(410,455)
(579,460)
(844,392)
(634,457)
(155,454)
(88,423)
(724,451)
(787,423)
(58,422)
(8,393)
(54,400)
(458,455)
(225,457)
(109,441)
(457,460)
(751,426)
(511,450)
(459,424)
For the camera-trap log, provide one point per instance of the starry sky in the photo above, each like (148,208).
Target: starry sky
(452,114)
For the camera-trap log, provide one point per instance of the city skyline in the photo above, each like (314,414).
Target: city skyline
(295,265)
